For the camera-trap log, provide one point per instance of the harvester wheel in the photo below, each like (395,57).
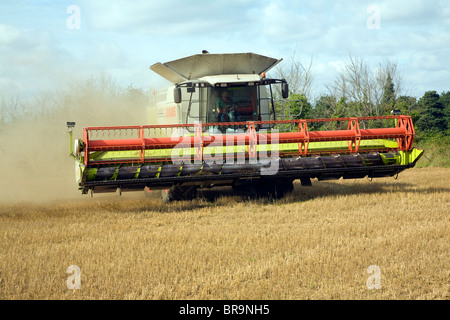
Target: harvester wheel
(246,190)
(177,192)
(275,190)
(306,182)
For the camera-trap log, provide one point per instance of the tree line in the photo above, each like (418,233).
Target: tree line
(97,100)
(359,91)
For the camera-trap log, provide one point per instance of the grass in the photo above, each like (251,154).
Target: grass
(437,152)
(317,243)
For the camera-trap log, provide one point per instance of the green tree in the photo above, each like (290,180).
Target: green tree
(388,99)
(325,106)
(341,108)
(296,107)
(340,112)
(432,117)
(445,100)
(406,105)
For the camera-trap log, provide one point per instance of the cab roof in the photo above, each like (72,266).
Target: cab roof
(203,65)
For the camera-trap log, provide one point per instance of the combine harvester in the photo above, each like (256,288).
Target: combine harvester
(216,125)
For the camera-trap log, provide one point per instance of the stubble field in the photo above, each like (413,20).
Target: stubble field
(317,243)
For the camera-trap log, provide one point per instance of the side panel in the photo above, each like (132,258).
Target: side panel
(167,111)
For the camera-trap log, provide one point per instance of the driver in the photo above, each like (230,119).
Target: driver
(223,106)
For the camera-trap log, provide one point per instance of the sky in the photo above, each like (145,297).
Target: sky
(45,45)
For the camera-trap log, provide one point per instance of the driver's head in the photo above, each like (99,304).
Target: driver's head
(225,95)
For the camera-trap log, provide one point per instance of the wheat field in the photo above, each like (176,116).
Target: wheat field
(317,243)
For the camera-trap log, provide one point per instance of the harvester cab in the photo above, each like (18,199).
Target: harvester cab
(212,88)
(216,125)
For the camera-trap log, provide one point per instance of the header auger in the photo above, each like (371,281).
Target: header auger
(216,125)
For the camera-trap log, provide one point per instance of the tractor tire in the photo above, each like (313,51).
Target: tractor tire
(179,193)
(275,189)
(247,190)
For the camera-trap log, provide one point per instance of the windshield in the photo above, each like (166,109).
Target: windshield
(226,104)
(232,104)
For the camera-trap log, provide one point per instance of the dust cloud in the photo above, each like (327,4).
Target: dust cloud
(35,165)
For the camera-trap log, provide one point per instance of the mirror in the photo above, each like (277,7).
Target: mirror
(285,90)
(177,95)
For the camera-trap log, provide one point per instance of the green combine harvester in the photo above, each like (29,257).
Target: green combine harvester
(216,125)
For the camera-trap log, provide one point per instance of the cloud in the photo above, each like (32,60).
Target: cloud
(29,60)
(410,12)
(123,38)
(170,17)
(8,34)
(34,61)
